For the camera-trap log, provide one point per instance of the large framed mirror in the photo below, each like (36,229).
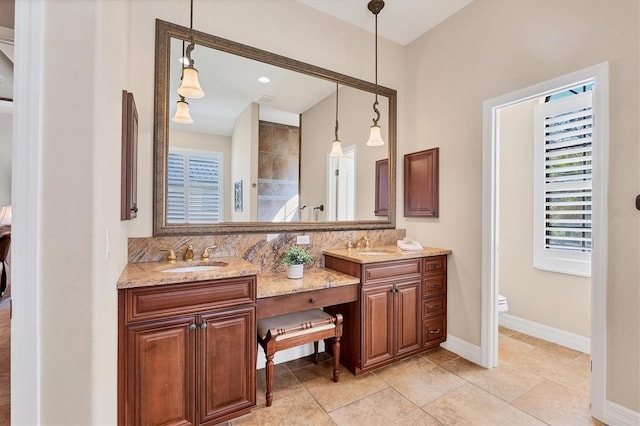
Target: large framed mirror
(256,156)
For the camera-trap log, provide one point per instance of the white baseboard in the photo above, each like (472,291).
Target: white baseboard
(550,334)
(617,415)
(287,355)
(463,348)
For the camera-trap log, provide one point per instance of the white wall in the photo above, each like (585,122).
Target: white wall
(6,138)
(214,143)
(491,48)
(556,300)
(355,113)
(244,162)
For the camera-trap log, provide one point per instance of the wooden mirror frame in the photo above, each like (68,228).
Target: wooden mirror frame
(164,32)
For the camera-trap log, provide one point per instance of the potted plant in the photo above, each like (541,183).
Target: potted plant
(295,258)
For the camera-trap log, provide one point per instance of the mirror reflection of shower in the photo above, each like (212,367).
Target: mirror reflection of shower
(342,186)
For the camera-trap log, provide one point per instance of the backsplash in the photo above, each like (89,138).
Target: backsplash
(263,250)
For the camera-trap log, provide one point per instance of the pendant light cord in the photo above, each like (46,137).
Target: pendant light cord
(375,103)
(336,111)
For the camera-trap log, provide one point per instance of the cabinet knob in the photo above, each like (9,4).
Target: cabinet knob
(312,300)
(192,326)
(203,325)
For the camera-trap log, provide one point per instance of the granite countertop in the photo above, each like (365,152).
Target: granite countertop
(145,274)
(384,253)
(277,284)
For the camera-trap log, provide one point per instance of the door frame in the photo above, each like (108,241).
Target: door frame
(599,74)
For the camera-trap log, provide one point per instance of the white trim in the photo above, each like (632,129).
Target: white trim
(26,196)
(617,415)
(490,155)
(544,332)
(463,348)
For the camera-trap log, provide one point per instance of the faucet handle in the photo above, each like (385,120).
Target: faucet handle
(366,242)
(188,253)
(205,253)
(171,257)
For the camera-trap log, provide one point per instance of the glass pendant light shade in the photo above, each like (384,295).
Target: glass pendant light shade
(182,113)
(336,149)
(375,137)
(190,87)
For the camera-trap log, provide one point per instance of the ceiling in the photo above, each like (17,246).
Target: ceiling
(401,21)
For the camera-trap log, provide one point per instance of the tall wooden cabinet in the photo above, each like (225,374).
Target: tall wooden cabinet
(186,352)
(402,310)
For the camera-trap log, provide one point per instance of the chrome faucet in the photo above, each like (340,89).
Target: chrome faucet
(188,253)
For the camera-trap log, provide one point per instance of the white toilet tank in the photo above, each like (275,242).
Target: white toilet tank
(502,304)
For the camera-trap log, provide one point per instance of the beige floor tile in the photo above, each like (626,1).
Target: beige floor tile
(508,348)
(504,331)
(439,355)
(419,380)
(550,347)
(556,405)
(386,407)
(574,375)
(542,363)
(469,405)
(505,381)
(306,361)
(296,409)
(285,383)
(317,379)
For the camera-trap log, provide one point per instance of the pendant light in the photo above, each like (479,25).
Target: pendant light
(375,137)
(182,106)
(190,87)
(336,147)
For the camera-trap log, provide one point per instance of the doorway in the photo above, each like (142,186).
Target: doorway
(598,75)
(342,186)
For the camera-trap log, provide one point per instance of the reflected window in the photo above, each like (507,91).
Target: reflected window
(194,190)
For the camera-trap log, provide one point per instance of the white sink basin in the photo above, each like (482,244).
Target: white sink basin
(200,268)
(372,252)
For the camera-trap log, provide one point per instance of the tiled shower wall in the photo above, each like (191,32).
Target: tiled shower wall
(264,250)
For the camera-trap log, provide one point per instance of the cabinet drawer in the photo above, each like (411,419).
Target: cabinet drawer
(399,270)
(435,330)
(435,265)
(432,286)
(180,299)
(271,306)
(434,306)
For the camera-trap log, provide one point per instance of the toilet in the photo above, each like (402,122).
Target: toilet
(502,304)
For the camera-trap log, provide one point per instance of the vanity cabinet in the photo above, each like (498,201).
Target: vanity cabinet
(402,310)
(187,352)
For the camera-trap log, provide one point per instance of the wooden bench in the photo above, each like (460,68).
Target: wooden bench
(289,330)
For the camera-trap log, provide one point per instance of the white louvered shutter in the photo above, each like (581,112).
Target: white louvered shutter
(194,190)
(563,184)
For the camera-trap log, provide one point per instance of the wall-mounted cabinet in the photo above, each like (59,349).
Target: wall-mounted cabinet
(382,188)
(421,194)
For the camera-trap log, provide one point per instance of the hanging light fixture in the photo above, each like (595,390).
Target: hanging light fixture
(336,147)
(182,106)
(190,87)
(375,137)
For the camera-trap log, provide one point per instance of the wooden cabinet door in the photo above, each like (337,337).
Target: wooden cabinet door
(160,373)
(408,317)
(421,187)
(227,364)
(377,324)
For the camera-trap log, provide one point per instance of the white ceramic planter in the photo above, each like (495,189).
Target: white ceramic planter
(295,271)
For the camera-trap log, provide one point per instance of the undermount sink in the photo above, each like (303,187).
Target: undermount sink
(372,252)
(198,268)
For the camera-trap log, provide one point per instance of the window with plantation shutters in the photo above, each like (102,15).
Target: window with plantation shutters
(563,138)
(194,189)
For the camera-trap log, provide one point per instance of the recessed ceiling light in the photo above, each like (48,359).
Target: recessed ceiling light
(264,79)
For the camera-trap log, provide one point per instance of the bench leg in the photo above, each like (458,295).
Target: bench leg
(336,358)
(269,371)
(316,357)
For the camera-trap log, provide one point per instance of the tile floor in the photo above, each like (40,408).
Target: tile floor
(537,383)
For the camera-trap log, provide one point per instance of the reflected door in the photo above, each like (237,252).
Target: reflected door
(342,186)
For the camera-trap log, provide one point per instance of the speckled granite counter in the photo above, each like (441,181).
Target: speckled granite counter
(277,284)
(144,274)
(383,254)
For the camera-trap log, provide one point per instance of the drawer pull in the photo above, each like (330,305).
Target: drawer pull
(436,286)
(433,307)
(436,331)
(203,325)
(434,266)
(312,300)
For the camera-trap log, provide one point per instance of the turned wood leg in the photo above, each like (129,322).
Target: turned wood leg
(336,358)
(269,371)
(316,357)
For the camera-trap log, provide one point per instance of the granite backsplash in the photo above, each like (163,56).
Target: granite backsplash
(263,250)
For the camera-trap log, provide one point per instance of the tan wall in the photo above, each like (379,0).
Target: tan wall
(556,300)
(491,48)
(244,142)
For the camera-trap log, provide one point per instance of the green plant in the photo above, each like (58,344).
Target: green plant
(296,256)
